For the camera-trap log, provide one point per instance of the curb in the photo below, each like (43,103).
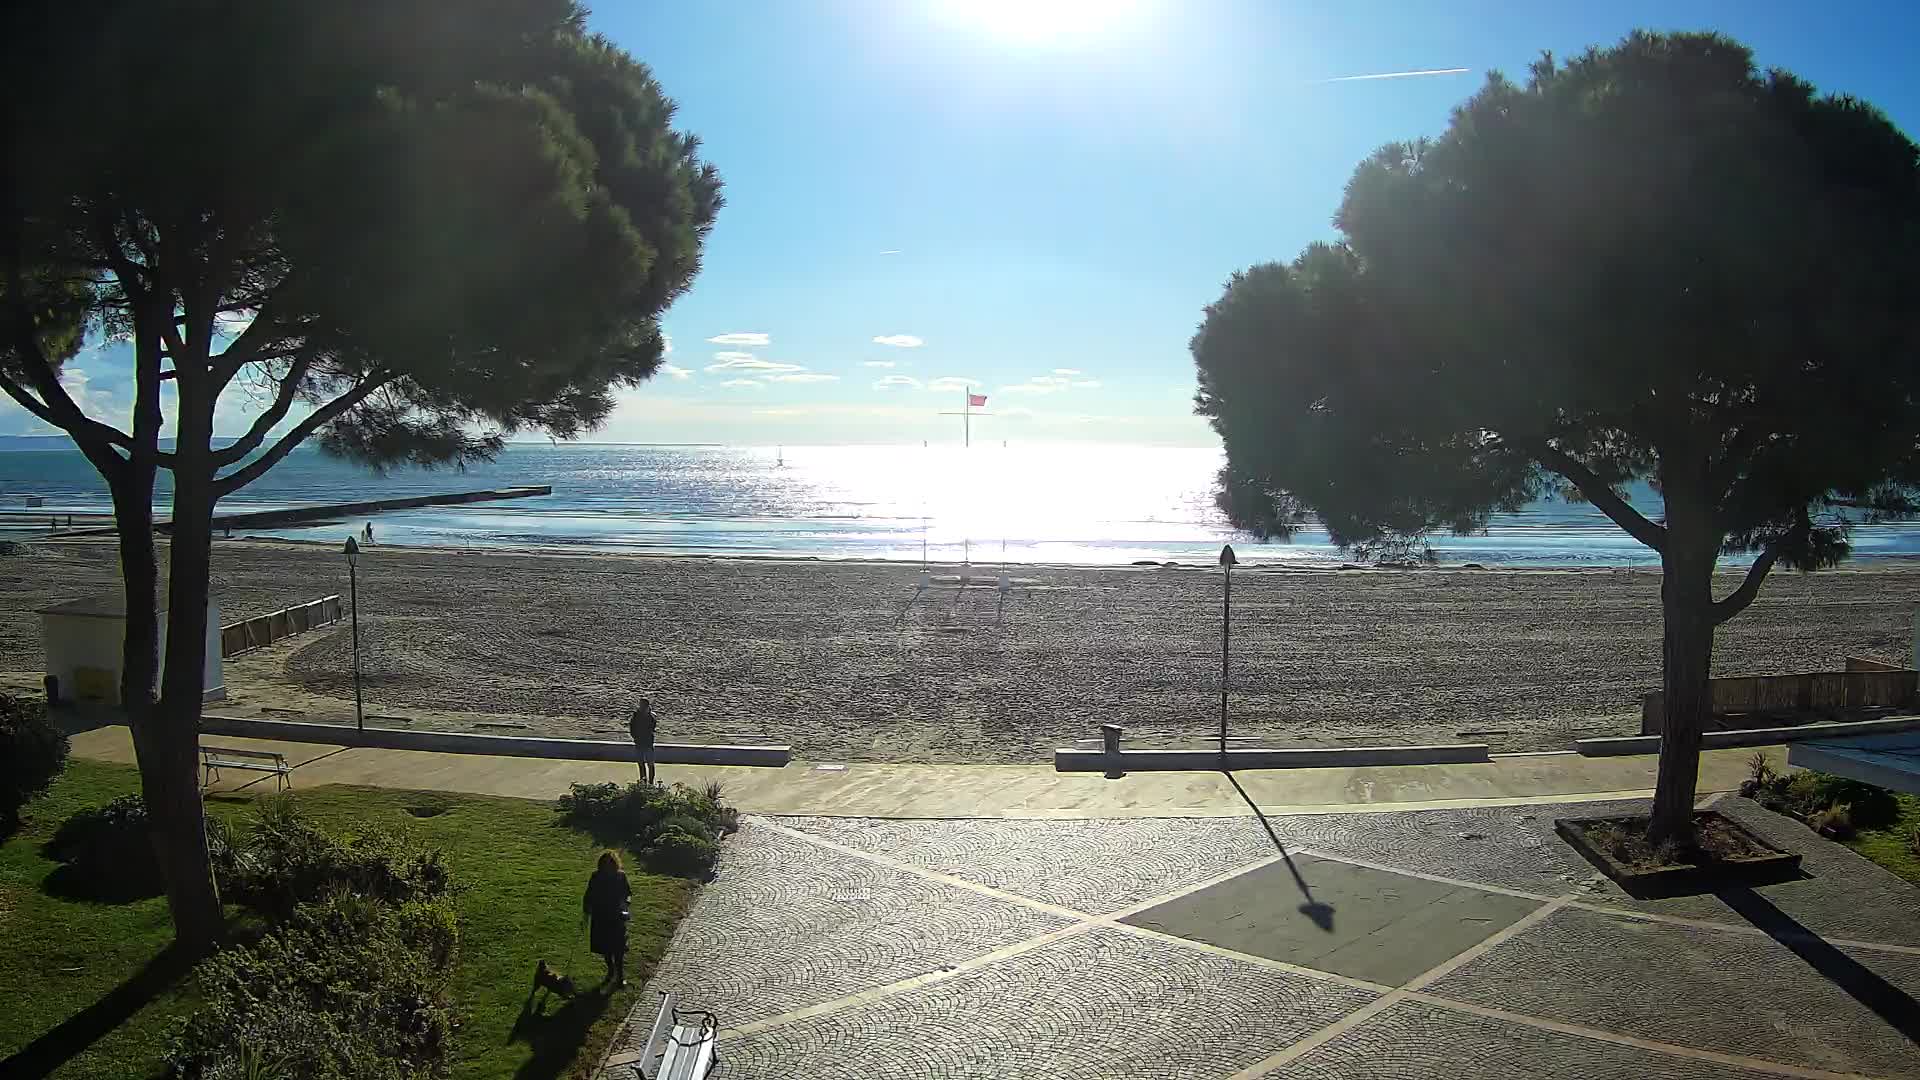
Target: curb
(1721,740)
(448,742)
(1077,760)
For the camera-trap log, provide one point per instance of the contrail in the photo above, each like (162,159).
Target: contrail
(1400,74)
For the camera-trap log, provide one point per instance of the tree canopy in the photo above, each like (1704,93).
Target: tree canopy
(1652,262)
(1650,254)
(407,228)
(432,223)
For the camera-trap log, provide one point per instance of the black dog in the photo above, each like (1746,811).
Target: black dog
(546,978)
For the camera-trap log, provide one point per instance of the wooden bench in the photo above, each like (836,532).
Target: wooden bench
(677,1049)
(215,758)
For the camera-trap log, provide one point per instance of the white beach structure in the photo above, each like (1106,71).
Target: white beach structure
(84,640)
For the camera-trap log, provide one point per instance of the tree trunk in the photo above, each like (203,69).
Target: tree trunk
(1686,600)
(173,790)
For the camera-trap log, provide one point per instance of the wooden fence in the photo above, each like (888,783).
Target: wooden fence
(260,630)
(1865,684)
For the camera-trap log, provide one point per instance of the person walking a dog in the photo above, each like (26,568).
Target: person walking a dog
(608,895)
(641,726)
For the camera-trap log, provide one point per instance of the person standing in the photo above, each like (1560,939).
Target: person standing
(606,905)
(641,727)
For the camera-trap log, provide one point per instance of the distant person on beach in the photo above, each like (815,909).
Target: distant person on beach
(369,532)
(606,907)
(641,726)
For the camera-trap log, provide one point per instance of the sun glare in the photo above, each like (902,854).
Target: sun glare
(1035,21)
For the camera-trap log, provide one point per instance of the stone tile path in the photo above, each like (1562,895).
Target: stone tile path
(1425,945)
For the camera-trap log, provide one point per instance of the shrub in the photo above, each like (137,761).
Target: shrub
(675,851)
(33,750)
(107,851)
(672,828)
(1871,807)
(1833,822)
(286,861)
(346,988)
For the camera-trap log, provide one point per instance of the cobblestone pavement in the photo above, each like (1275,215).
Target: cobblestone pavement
(834,947)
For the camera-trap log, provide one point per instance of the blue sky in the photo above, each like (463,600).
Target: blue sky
(1040,196)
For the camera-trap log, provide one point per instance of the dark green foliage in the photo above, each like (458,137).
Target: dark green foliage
(1650,256)
(106,852)
(33,750)
(348,988)
(350,980)
(1652,262)
(1807,795)
(286,860)
(674,829)
(678,851)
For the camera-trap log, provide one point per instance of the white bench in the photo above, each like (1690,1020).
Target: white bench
(215,758)
(676,1049)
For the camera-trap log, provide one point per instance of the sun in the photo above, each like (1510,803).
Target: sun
(1035,21)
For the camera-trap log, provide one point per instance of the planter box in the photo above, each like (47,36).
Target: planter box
(1772,865)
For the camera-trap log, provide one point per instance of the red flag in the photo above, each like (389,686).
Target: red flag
(976,400)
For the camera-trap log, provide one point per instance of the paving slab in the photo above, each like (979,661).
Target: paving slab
(1092,866)
(1099,1005)
(787,924)
(1416,1041)
(1350,920)
(1698,988)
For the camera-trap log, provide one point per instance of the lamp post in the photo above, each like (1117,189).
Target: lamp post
(353,592)
(1226,635)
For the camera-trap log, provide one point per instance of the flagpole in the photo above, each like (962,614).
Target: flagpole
(966,413)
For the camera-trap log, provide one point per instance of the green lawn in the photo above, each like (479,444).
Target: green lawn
(1892,847)
(98,973)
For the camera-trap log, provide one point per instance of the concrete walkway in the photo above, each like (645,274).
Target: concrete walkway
(861,789)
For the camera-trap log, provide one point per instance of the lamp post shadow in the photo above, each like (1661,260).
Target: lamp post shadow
(1320,913)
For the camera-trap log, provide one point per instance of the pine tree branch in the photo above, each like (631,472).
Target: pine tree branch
(325,414)
(1600,494)
(282,402)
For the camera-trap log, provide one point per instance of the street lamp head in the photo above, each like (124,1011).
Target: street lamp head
(1226,556)
(353,550)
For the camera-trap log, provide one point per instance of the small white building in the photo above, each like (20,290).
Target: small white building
(84,641)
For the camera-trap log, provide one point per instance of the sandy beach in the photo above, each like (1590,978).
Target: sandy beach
(842,662)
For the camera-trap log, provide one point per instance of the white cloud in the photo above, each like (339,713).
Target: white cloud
(675,371)
(952,382)
(744,384)
(891,251)
(1086,384)
(877,363)
(904,381)
(725,356)
(1067,371)
(1028,388)
(1049,380)
(749,362)
(666,344)
(780,412)
(899,341)
(804,377)
(742,337)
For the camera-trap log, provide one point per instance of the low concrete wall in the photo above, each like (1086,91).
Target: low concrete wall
(1720,740)
(266,629)
(1865,684)
(450,742)
(1077,760)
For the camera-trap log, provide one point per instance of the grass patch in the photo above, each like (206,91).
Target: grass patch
(1892,845)
(98,972)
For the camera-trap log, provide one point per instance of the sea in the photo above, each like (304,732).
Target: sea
(1060,504)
